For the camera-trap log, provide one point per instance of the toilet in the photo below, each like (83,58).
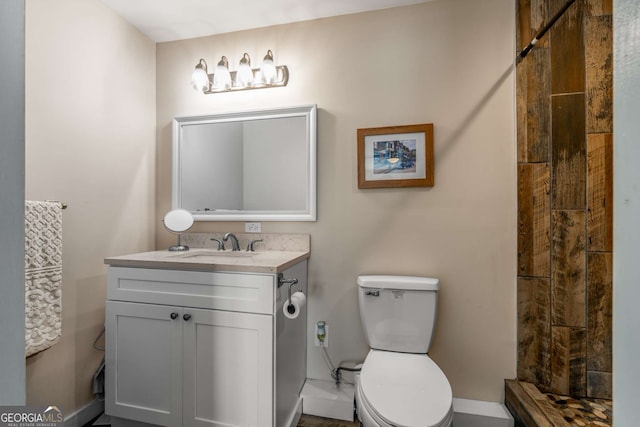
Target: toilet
(399,385)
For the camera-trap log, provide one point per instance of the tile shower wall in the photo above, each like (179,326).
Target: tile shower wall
(565,198)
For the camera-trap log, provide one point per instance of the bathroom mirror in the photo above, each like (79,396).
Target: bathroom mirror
(248,166)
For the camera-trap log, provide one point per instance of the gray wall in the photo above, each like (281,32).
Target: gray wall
(626,269)
(12,367)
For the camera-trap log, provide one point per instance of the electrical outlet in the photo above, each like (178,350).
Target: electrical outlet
(325,341)
(252,227)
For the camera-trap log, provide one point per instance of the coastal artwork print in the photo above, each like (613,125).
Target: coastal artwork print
(396,156)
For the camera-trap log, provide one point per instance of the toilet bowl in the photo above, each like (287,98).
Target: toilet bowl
(399,385)
(403,390)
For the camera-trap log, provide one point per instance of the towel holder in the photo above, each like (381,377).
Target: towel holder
(63,205)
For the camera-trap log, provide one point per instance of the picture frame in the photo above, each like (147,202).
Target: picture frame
(396,156)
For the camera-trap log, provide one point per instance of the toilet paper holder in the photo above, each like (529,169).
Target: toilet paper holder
(290,282)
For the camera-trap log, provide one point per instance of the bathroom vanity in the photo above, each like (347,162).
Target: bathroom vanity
(200,339)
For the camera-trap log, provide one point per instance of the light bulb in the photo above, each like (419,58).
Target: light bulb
(244,75)
(269,71)
(200,78)
(222,77)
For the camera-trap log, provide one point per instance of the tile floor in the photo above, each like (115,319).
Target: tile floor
(532,408)
(583,412)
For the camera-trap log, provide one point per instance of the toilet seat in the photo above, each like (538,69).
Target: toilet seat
(405,390)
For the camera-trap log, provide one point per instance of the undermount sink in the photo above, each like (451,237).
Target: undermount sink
(215,254)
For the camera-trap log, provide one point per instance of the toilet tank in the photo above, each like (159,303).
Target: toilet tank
(398,313)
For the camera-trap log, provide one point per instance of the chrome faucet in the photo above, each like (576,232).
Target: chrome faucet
(234,241)
(220,244)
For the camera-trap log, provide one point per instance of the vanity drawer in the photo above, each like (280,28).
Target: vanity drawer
(251,293)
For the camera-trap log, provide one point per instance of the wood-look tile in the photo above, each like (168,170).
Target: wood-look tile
(568,360)
(598,35)
(544,405)
(598,7)
(560,359)
(538,106)
(569,134)
(516,406)
(523,23)
(578,362)
(600,192)
(534,218)
(534,331)
(523,407)
(568,269)
(600,312)
(599,384)
(532,16)
(569,162)
(533,109)
(567,49)
(521,112)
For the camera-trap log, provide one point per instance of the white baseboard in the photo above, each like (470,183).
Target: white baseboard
(295,415)
(323,398)
(85,414)
(478,413)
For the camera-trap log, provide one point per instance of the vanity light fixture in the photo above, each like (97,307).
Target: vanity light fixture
(223,80)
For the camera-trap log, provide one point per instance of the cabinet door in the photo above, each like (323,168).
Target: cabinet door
(144,362)
(228,369)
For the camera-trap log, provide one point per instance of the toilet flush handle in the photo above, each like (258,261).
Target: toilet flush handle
(372,292)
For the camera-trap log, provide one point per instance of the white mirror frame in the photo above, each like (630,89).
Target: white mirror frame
(309,112)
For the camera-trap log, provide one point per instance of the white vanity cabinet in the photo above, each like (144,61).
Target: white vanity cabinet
(202,348)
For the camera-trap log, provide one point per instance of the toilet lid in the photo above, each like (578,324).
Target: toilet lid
(405,389)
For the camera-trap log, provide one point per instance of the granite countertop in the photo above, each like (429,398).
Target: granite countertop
(207,259)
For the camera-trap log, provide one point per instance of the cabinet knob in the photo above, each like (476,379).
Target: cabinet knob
(186,316)
(174,316)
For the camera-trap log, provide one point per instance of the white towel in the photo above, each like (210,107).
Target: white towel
(43,275)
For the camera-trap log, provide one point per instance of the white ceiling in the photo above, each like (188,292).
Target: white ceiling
(167,20)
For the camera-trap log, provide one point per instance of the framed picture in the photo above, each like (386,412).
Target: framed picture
(395,156)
